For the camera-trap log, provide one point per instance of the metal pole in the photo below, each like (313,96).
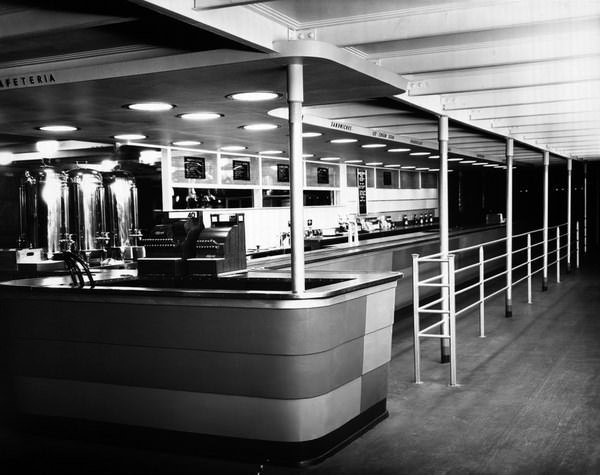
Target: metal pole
(452,321)
(529,268)
(295,99)
(509,225)
(545,225)
(577,244)
(444,230)
(557,254)
(481,293)
(416,323)
(569,224)
(585,207)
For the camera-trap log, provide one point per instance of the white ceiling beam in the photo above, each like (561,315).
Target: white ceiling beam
(547,108)
(557,46)
(521,131)
(561,133)
(446,18)
(547,119)
(522,95)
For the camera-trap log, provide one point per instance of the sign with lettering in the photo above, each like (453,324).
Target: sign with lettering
(283,173)
(27,80)
(361,182)
(194,168)
(241,170)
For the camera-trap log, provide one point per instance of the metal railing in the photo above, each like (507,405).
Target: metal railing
(475,276)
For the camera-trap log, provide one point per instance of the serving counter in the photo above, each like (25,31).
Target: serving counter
(273,374)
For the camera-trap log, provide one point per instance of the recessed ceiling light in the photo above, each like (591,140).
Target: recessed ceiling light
(129,137)
(455,159)
(308,155)
(420,153)
(423,169)
(254,96)
(150,106)
(433,156)
(434,170)
(467,161)
(186,143)
(479,164)
(374,164)
(374,145)
(271,152)
(393,165)
(353,161)
(489,165)
(200,116)
(6,158)
(47,146)
(330,158)
(347,140)
(408,167)
(399,150)
(308,135)
(233,148)
(57,128)
(259,127)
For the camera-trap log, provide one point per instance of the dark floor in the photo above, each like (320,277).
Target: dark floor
(528,403)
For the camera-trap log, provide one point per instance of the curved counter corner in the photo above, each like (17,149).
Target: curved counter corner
(284,378)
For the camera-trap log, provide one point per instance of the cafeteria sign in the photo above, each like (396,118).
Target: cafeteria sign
(361,181)
(29,80)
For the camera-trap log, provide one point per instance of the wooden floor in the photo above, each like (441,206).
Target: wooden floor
(528,403)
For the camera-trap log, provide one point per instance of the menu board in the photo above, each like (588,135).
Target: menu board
(194,168)
(323,176)
(361,181)
(241,170)
(283,173)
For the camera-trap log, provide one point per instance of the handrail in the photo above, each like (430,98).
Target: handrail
(447,280)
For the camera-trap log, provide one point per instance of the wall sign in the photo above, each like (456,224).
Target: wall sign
(241,170)
(323,176)
(361,182)
(283,173)
(194,168)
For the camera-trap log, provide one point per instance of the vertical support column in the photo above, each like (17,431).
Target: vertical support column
(481,293)
(416,321)
(452,321)
(295,100)
(509,225)
(585,207)
(444,227)
(569,197)
(545,225)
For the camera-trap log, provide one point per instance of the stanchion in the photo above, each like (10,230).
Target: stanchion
(529,268)
(416,324)
(558,254)
(481,293)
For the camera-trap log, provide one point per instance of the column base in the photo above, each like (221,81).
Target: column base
(445,359)
(544,284)
(508,310)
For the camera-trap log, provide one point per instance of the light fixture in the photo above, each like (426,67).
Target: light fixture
(47,146)
(346,140)
(374,145)
(186,143)
(329,158)
(374,164)
(353,161)
(271,152)
(308,155)
(150,157)
(408,167)
(419,153)
(200,115)
(393,150)
(393,165)
(434,169)
(57,128)
(150,106)
(467,161)
(423,169)
(254,96)
(233,148)
(6,158)
(489,165)
(259,127)
(478,164)
(129,137)
(308,135)
(433,156)
(455,159)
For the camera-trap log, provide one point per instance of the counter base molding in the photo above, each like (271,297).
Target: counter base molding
(284,381)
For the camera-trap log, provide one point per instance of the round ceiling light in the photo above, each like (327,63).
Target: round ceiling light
(47,146)
(420,154)
(353,161)
(308,155)
(348,140)
(186,143)
(129,137)
(150,106)
(393,150)
(423,169)
(259,127)
(332,159)
(200,116)
(271,152)
(374,164)
(373,145)
(254,96)
(408,167)
(57,128)
(233,148)
(6,158)
(308,135)
(393,165)
(433,156)
(467,161)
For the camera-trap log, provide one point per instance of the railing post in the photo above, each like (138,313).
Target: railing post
(529,268)
(569,206)
(577,244)
(416,323)
(452,319)
(481,293)
(557,254)
(545,226)
(509,226)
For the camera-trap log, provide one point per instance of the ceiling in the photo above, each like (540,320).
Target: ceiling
(526,69)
